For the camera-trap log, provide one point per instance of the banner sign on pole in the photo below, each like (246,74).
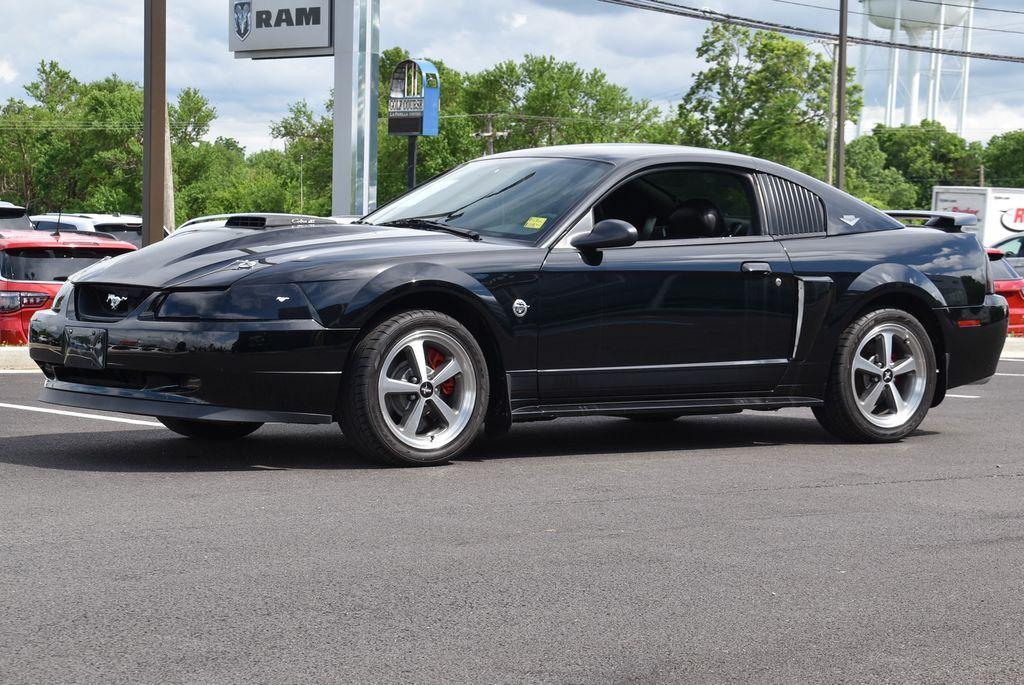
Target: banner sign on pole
(414,103)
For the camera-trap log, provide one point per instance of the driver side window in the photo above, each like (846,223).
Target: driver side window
(681,204)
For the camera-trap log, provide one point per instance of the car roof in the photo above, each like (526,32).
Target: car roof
(9,239)
(10,205)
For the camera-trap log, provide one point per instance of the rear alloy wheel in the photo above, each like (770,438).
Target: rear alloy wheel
(416,391)
(883,379)
(209,430)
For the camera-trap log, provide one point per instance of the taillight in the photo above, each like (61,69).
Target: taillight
(12,301)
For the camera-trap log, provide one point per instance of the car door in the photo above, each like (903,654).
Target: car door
(690,309)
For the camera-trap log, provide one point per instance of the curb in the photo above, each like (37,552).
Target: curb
(1014,349)
(16,359)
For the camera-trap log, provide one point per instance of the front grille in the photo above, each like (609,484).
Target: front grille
(179,384)
(108,302)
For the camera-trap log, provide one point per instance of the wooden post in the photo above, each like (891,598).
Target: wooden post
(841,86)
(154,154)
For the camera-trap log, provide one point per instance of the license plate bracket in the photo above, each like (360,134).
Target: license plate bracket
(85,348)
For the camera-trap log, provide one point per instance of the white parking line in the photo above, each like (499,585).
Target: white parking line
(966,397)
(1014,375)
(134,422)
(19,371)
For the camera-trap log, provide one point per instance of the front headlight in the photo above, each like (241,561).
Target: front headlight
(238,303)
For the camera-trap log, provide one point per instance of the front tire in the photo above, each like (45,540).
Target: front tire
(882,380)
(416,390)
(209,430)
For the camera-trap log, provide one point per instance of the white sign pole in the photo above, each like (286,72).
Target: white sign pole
(356,75)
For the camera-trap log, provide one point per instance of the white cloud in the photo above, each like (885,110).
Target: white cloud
(514,21)
(7,72)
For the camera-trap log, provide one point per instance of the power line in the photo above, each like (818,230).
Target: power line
(885,16)
(722,18)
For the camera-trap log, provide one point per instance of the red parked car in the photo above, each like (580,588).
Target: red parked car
(1010,285)
(34,264)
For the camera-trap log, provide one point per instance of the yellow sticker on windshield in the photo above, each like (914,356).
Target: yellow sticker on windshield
(535,222)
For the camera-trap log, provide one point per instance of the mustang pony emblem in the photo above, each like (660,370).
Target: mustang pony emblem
(243,19)
(115,301)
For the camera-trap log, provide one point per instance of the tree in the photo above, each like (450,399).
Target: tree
(868,177)
(761,94)
(1003,159)
(928,155)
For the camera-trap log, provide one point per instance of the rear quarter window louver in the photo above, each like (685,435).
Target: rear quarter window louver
(792,209)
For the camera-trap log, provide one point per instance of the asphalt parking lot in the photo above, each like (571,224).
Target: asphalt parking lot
(740,548)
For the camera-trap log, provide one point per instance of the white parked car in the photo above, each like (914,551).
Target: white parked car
(124,227)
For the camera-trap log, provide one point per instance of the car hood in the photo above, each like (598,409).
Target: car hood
(217,257)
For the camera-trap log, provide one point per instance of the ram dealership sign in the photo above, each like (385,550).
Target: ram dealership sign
(262,29)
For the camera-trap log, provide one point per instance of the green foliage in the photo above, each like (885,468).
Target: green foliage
(77,146)
(1003,159)
(761,94)
(928,155)
(869,178)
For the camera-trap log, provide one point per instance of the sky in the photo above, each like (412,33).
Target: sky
(651,54)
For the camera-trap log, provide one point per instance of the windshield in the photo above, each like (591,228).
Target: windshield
(49,263)
(516,198)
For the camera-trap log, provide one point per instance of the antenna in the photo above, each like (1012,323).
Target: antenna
(56,231)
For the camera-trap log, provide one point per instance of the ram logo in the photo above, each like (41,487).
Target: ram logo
(243,19)
(302,16)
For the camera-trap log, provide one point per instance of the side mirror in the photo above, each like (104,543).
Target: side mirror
(607,233)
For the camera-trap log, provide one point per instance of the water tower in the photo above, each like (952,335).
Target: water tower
(933,24)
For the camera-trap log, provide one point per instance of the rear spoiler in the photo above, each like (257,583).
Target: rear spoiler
(949,222)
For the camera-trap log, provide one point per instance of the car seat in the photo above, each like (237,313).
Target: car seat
(696,218)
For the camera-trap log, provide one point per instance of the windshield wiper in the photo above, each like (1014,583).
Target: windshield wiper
(426,224)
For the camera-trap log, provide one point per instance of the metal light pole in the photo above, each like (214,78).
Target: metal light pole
(154,148)
(356,74)
(841,86)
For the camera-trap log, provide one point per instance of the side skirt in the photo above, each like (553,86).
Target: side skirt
(704,406)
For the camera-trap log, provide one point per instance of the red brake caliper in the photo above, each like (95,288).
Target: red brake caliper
(435,359)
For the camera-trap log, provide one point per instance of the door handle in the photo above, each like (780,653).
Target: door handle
(757,267)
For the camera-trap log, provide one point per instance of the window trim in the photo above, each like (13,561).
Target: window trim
(744,174)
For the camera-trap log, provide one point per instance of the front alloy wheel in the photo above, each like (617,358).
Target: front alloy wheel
(423,391)
(882,380)
(416,390)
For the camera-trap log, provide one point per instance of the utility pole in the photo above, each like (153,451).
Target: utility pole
(981,176)
(154,148)
(302,184)
(844,6)
(830,165)
(489,134)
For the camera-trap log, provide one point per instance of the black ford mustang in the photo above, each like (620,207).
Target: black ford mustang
(640,281)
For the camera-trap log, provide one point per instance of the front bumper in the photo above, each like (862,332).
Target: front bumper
(266,371)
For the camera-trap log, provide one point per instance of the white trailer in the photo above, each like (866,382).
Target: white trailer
(1000,211)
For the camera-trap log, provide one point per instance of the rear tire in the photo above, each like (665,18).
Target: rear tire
(416,390)
(882,380)
(209,430)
